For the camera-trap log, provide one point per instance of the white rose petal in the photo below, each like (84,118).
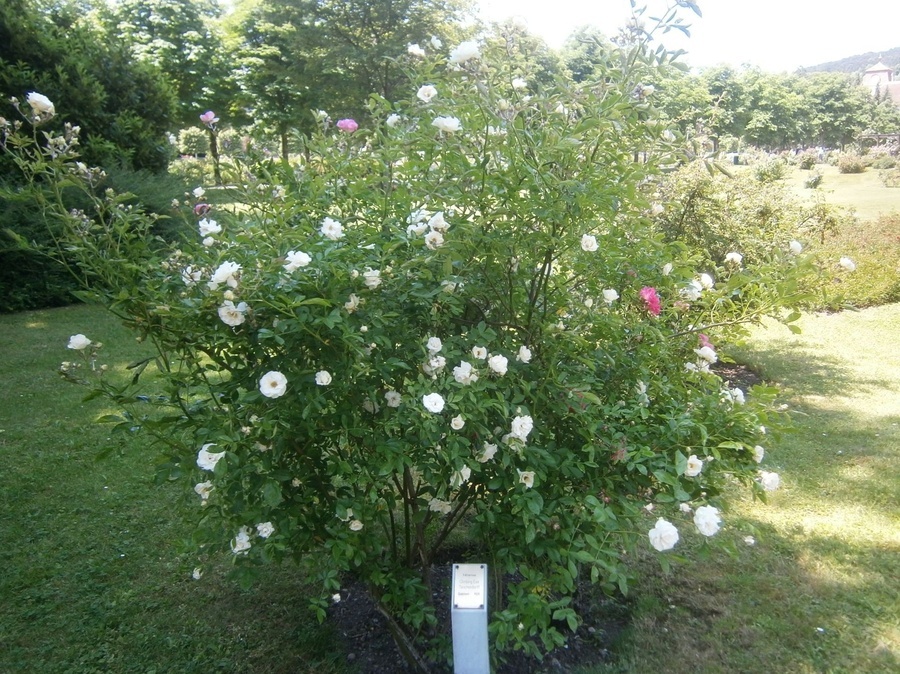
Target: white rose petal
(524,355)
(610,296)
(372,278)
(415,50)
(434,240)
(707,353)
(758,453)
(436,42)
(273,384)
(203,489)
(265,529)
(439,506)
(208,227)
(519,83)
(323,377)
(847,264)
(231,314)
(392,120)
(734,258)
(392,398)
(40,104)
(479,352)
(707,520)
(356,525)
(795,247)
(457,422)
(521,427)
(464,374)
(460,477)
(667,268)
(769,481)
(526,477)
(663,536)
(706,281)
(589,243)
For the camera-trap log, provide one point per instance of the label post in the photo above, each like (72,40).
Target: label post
(468,614)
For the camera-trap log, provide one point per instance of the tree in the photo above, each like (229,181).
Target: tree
(300,56)
(179,38)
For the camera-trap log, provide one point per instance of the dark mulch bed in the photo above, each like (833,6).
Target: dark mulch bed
(370,647)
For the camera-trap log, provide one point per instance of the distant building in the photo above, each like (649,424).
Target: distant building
(880,79)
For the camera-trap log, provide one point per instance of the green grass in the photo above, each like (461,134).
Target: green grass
(818,592)
(96,574)
(863,192)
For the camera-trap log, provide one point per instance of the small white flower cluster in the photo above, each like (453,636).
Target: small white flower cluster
(706,356)
(432,226)
(241,544)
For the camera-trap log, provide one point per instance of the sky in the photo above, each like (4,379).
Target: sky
(775,35)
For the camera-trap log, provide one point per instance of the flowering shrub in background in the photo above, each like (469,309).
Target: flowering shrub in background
(455,320)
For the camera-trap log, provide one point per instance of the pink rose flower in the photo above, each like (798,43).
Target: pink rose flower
(209,117)
(651,299)
(704,341)
(347,125)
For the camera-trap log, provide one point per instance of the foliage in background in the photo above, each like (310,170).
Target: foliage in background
(459,314)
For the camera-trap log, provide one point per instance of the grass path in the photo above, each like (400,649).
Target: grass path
(820,589)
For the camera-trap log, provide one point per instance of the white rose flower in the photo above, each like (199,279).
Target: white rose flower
(524,355)
(694,466)
(439,506)
(208,227)
(240,544)
(208,242)
(434,365)
(415,50)
(352,304)
(336,597)
(438,223)
(197,574)
(758,453)
(498,364)
(433,402)
(707,353)
(265,529)
(392,398)
(207,460)
(526,477)
(460,477)
(667,268)
(203,489)
(426,93)
(436,42)
(457,422)
(610,296)
(795,247)
(560,109)
(749,540)
(479,352)
(464,51)
(392,120)
(78,342)
(589,243)
(707,520)
(434,345)
(737,395)
(663,536)
(323,378)
(691,292)
(487,454)
(434,240)
(589,302)
(331,229)
(372,278)
(519,83)
(685,507)
(190,276)
(464,374)
(225,273)
(447,124)
(198,192)
(40,104)
(706,281)
(521,427)
(356,525)
(296,259)
(769,481)
(273,384)
(847,264)
(233,315)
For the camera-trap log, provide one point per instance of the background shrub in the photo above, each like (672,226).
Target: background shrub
(770,170)
(851,163)
(807,160)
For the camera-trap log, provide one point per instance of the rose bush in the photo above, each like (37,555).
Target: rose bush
(529,380)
